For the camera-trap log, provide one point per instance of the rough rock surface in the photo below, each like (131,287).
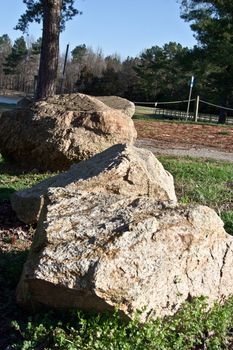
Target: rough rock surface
(119,103)
(98,250)
(121,169)
(54,133)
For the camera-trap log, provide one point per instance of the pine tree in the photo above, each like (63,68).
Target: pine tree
(212,22)
(18,53)
(54,14)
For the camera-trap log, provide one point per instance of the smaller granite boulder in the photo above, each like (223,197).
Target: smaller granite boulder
(121,169)
(119,103)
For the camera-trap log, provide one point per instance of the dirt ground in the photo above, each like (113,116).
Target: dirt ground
(208,141)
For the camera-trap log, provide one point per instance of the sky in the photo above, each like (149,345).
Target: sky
(125,27)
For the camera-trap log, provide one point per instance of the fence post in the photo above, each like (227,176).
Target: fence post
(196,108)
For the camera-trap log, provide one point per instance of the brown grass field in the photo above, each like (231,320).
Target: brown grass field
(184,135)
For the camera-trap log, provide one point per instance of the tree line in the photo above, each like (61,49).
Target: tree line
(158,73)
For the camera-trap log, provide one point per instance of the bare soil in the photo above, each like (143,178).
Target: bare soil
(177,139)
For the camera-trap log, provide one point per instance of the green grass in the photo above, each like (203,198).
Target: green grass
(193,327)
(224,133)
(12,179)
(5,107)
(205,182)
(147,111)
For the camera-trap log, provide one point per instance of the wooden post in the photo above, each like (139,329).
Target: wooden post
(196,108)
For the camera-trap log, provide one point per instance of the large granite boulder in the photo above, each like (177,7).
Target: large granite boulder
(58,131)
(119,103)
(121,169)
(104,250)
(109,235)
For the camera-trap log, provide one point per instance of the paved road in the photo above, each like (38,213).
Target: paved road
(196,152)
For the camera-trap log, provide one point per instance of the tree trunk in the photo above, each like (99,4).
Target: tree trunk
(223,112)
(50,49)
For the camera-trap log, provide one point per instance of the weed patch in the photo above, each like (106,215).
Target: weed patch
(192,327)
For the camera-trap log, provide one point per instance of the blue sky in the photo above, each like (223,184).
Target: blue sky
(125,27)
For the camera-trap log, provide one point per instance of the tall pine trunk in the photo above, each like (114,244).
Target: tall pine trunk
(225,87)
(223,112)
(222,116)
(50,49)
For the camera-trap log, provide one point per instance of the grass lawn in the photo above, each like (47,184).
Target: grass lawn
(149,114)
(141,111)
(12,179)
(193,327)
(4,107)
(205,182)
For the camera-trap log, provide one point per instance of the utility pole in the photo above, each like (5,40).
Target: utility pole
(190,95)
(196,108)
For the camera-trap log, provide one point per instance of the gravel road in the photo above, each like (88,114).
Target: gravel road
(196,152)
